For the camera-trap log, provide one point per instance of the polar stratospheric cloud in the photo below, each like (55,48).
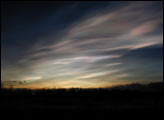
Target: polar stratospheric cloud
(81,44)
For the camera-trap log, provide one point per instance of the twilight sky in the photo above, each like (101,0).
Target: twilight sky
(81,44)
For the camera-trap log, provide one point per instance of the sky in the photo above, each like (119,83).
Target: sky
(81,44)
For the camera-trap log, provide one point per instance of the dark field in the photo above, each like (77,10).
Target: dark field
(131,99)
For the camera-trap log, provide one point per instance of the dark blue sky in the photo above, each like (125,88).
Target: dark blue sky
(81,44)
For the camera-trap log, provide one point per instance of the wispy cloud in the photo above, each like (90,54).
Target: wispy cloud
(99,40)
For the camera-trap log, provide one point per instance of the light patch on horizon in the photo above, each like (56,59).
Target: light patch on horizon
(32,78)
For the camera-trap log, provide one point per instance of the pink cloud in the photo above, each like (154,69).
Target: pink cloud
(144,28)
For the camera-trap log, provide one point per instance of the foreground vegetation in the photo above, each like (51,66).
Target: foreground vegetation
(133,98)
